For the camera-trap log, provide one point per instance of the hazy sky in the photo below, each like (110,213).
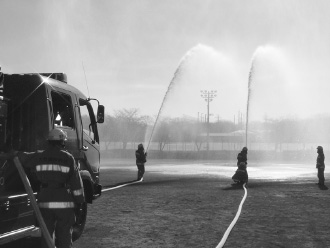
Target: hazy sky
(132,48)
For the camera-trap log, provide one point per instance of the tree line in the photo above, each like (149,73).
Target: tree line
(129,126)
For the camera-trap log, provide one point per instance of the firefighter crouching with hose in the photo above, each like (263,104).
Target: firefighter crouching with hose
(241,175)
(61,190)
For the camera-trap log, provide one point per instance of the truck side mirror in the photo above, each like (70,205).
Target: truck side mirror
(100,114)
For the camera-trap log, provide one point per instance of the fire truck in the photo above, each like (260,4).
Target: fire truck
(30,106)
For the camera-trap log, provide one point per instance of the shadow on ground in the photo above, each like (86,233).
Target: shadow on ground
(234,187)
(323,187)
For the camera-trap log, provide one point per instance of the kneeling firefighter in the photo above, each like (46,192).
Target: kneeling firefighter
(61,188)
(141,159)
(242,157)
(241,175)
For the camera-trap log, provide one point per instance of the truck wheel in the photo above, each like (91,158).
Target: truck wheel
(79,226)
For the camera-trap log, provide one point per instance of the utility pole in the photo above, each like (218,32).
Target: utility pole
(208,97)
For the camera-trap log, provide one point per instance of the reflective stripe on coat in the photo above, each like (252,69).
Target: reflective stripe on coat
(56,204)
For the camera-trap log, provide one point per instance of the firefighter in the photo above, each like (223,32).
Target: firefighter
(242,157)
(320,165)
(61,188)
(141,158)
(241,175)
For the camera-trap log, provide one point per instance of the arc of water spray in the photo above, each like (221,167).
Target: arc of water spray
(177,73)
(260,49)
(248,101)
(161,106)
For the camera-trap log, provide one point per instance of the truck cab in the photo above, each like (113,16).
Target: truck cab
(30,106)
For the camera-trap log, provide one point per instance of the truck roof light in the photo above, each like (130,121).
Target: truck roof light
(57,76)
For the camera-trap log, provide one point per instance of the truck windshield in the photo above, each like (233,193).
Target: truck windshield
(62,110)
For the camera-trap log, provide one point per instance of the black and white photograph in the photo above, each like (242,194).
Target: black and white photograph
(164,123)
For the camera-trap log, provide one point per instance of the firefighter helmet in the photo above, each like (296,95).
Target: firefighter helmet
(140,146)
(320,148)
(57,135)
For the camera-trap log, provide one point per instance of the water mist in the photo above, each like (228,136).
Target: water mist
(177,74)
(269,86)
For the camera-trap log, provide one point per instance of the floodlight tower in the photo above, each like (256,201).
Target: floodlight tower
(208,97)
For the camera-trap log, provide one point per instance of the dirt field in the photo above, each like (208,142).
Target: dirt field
(192,205)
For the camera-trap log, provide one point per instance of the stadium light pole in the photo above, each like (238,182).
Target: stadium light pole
(208,97)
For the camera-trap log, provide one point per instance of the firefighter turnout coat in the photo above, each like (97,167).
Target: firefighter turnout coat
(141,157)
(241,157)
(56,170)
(320,161)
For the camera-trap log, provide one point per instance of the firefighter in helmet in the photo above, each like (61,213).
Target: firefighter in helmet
(241,175)
(242,157)
(141,159)
(320,165)
(61,189)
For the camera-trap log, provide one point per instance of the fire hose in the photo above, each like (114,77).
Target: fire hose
(122,185)
(232,224)
(27,186)
(226,234)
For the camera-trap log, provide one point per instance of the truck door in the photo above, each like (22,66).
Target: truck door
(90,138)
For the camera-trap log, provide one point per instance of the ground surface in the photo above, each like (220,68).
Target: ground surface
(192,204)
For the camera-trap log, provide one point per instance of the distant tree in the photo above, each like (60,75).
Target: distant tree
(185,131)
(222,126)
(178,130)
(109,131)
(162,134)
(131,126)
(197,130)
